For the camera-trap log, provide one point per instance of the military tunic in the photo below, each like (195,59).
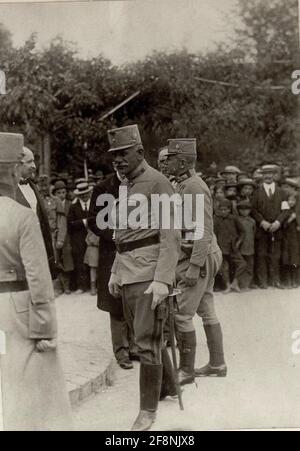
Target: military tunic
(34,392)
(137,268)
(204,253)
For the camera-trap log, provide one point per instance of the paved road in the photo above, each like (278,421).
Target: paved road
(262,388)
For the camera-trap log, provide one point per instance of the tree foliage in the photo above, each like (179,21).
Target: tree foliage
(55,92)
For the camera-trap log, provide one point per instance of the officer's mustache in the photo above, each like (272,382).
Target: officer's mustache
(121,165)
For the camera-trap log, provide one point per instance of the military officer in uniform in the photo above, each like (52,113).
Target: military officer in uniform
(33,387)
(144,267)
(199,263)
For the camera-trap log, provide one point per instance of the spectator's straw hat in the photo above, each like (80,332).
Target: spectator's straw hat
(231,170)
(82,188)
(291,182)
(246,182)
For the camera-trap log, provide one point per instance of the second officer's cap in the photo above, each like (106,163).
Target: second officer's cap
(184,146)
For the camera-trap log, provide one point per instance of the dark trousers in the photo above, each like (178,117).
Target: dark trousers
(121,337)
(146,324)
(81,272)
(234,262)
(247,277)
(268,255)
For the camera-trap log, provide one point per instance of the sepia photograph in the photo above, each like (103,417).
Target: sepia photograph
(150,217)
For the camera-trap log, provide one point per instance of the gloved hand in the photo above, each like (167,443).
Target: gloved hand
(46,345)
(274,227)
(265,225)
(114,286)
(160,292)
(192,275)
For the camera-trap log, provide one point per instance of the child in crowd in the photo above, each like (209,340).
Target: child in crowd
(230,235)
(247,248)
(91,259)
(219,195)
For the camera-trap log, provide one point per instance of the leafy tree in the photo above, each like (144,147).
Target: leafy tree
(54,93)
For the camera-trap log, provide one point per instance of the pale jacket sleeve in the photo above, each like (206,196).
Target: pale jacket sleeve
(42,313)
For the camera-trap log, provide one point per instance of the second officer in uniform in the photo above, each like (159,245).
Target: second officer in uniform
(199,262)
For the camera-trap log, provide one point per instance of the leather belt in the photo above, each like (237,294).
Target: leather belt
(14,286)
(132,245)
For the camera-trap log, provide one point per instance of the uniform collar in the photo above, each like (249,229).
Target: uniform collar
(137,172)
(187,175)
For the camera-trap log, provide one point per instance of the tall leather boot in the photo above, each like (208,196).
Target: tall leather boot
(150,386)
(168,387)
(216,365)
(187,351)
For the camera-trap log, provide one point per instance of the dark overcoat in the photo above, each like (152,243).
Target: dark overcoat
(269,209)
(44,224)
(77,231)
(66,253)
(107,247)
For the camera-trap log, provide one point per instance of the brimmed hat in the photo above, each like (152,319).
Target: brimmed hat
(270,168)
(244,205)
(220,180)
(231,185)
(231,170)
(246,182)
(59,185)
(243,174)
(82,188)
(291,182)
(80,180)
(210,181)
(11,148)
(124,138)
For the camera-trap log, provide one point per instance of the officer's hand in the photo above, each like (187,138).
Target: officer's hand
(160,292)
(274,227)
(59,245)
(46,345)
(114,286)
(265,225)
(192,275)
